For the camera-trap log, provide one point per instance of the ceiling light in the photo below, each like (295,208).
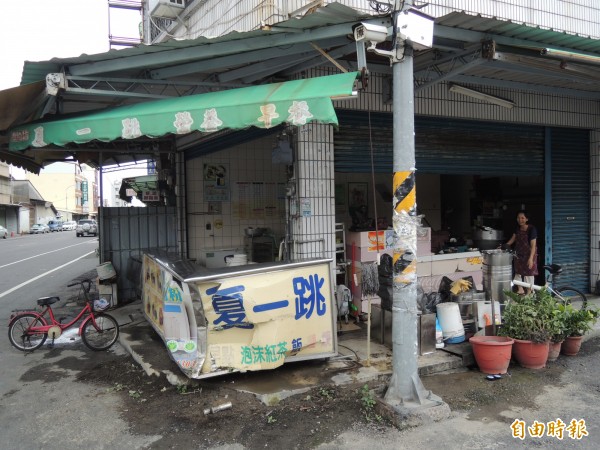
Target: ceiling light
(481,96)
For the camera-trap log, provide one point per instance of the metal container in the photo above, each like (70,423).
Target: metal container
(497,273)
(497,257)
(487,238)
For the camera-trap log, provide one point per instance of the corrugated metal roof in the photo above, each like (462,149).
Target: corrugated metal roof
(329,15)
(492,26)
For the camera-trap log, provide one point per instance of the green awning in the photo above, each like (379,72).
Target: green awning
(295,102)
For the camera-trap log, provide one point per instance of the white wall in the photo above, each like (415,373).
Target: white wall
(246,163)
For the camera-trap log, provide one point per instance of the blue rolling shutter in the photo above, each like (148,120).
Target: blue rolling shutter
(571,205)
(442,146)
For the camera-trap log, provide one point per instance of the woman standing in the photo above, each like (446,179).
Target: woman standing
(524,239)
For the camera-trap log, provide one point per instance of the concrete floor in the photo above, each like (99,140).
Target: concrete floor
(356,360)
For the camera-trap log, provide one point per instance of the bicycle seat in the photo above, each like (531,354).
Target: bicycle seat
(46,301)
(554,269)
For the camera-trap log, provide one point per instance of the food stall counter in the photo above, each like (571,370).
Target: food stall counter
(240,318)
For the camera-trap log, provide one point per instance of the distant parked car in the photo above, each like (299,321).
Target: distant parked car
(86,227)
(55,225)
(69,225)
(38,228)
(3,232)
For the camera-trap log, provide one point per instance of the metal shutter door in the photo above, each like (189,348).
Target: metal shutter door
(442,146)
(571,205)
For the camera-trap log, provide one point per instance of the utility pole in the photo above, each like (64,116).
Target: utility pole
(406,394)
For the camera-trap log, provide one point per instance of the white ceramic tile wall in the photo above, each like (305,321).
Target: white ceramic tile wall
(248,162)
(314,234)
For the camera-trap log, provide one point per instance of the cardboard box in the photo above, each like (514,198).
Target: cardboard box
(359,238)
(371,239)
(365,254)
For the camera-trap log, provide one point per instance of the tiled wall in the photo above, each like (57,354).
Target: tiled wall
(248,162)
(313,232)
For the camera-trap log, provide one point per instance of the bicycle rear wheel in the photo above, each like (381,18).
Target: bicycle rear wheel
(573,297)
(102,337)
(23,339)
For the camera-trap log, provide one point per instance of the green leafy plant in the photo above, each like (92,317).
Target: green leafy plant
(326,393)
(271,419)
(534,317)
(368,402)
(135,394)
(580,321)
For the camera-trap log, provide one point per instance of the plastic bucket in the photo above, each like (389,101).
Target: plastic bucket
(106,271)
(448,315)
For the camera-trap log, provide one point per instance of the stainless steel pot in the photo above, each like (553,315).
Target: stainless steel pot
(497,258)
(485,233)
(486,238)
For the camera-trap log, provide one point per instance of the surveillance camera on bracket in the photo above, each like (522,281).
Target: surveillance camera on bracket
(370,32)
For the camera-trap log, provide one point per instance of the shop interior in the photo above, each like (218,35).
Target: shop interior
(460,215)
(454,207)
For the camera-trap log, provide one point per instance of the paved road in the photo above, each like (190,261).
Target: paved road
(40,404)
(32,266)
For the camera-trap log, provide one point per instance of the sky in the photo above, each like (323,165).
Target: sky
(39,30)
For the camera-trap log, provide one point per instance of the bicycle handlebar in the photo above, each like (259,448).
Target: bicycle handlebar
(88,281)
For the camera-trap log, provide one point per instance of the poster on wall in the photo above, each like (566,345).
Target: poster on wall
(216,182)
(358,206)
(258,200)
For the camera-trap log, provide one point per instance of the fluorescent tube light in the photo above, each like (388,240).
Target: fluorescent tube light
(481,96)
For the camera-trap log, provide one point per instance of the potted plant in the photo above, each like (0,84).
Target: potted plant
(558,325)
(531,320)
(578,322)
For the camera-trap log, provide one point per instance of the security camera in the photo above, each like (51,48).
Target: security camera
(369,32)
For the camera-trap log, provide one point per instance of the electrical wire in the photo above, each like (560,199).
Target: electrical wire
(381,7)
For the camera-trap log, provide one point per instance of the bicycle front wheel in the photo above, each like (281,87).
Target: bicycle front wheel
(20,335)
(101,335)
(573,297)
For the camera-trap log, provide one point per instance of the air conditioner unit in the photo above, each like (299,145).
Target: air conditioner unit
(166,8)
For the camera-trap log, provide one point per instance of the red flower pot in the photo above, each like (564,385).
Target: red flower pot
(492,353)
(571,345)
(554,350)
(531,355)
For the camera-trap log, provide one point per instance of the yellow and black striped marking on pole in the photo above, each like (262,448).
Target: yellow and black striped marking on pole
(405,204)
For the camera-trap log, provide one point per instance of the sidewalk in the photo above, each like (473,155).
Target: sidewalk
(352,364)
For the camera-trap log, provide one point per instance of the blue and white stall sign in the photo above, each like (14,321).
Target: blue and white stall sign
(241,318)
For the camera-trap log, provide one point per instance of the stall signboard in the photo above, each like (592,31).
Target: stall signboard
(249,319)
(168,307)
(261,320)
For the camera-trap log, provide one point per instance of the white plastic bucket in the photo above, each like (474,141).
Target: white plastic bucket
(106,271)
(448,315)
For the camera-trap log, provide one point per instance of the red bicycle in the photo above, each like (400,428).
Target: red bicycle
(29,329)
